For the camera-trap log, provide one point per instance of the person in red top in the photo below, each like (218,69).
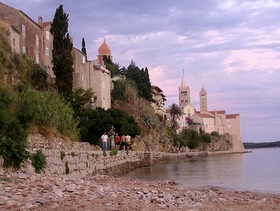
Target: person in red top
(117,141)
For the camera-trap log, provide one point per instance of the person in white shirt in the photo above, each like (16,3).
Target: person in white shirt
(104,139)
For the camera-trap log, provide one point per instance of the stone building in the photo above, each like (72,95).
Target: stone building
(36,42)
(208,121)
(26,34)
(47,46)
(159,99)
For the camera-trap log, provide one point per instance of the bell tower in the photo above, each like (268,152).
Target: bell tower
(104,50)
(184,93)
(203,100)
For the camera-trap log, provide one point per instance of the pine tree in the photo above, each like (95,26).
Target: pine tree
(84,50)
(141,79)
(62,53)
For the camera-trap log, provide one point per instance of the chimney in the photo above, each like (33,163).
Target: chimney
(40,21)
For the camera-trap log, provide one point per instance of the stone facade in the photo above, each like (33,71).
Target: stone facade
(30,33)
(36,42)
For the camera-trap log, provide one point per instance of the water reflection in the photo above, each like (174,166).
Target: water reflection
(223,171)
(257,171)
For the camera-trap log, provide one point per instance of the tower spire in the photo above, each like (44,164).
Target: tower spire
(183,83)
(184,93)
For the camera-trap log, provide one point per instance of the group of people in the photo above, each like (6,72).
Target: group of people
(114,141)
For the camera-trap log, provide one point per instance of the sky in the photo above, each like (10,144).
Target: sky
(229,47)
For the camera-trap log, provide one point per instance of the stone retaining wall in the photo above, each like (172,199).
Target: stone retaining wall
(80,164)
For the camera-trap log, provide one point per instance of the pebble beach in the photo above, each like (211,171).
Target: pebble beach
(20,191)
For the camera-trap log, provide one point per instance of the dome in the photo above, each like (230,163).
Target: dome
(104,49)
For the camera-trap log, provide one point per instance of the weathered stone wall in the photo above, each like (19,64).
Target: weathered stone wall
(80,164)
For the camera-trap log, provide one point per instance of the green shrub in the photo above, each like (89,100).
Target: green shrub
(13,137)
(97,155)
(46,109)
(39,161)
(72,154)
(13,144)
(206,137)
(215,134)
(113,152)
(5,179)
(67,170)
(62,155)
(104,153)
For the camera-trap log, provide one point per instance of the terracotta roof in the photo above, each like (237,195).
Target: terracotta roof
(156,88)
(104,49)
(218,112)
(44,24)
(205,115)
(231,116)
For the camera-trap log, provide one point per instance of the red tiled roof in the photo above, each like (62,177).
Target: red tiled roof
(231,116)
(218,112)
(156,88)
(205,115)
(44,24)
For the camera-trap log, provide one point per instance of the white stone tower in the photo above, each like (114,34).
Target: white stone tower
(184,93)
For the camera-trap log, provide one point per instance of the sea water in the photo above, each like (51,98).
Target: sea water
(256,171)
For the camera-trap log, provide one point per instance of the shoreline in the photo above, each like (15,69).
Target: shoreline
(30,191)
(20,191)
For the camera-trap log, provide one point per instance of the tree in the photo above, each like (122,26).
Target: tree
(114,68)
(175,113)
(62,53)
(81,101)
(141,79)
(93,123)
(84,50)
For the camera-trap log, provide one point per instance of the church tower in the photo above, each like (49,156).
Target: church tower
(184,93)
(203,100)
(104,50)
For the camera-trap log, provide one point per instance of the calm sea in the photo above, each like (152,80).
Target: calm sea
(257,171)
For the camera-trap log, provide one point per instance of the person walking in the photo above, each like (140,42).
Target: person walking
(112,141)
(123,142)
(104,139)
(128,142)
(117,141)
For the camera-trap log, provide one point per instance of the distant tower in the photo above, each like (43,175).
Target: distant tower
(203,100)
(104,50)
(184,93)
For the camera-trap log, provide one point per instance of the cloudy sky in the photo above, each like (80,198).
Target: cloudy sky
(230,47)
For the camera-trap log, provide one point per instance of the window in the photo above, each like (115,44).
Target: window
(23,49)
(37,58)
(47,35)
(23,30)
(47,51)
(84,59)
(37,43)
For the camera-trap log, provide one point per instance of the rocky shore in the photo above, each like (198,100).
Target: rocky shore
(20,191)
